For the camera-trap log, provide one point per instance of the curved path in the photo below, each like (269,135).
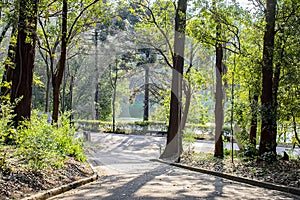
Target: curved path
(128,173)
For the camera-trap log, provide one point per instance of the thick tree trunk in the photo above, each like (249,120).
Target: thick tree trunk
(57,77)
(268,136)
(253,126)
(173,148)
(22,74)
(219,112)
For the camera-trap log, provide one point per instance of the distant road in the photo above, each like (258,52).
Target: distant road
(206,146)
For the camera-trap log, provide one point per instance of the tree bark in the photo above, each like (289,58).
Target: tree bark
(268,136)
(22,74)
(58,75)
(173,148)
(114,85)
(7,75)
(48,84)
(253,126)
(188,96)
(96,99)
(71,97)
(146,99)
(219,112)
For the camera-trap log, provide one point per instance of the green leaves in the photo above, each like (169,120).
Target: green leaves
(42,145)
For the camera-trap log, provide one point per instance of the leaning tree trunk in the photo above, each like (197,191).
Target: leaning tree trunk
(58,75)
(173,148)
(22,74)
(268,136)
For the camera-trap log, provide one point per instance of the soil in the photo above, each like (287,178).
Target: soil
(281,172)
(19,183)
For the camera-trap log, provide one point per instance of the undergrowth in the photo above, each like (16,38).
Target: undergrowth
(37,144)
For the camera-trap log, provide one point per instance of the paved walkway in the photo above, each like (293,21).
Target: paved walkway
(129,174)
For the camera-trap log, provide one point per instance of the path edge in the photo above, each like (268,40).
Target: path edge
(64,188)
(272,186)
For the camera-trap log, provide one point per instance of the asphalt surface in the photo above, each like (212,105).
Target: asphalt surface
(128,173)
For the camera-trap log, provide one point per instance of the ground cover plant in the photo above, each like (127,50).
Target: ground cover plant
(37,155)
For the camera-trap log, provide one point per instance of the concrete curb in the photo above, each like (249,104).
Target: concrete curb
(272,186)
(64,188)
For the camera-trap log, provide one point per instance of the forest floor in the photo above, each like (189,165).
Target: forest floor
(281,172)
(17,182)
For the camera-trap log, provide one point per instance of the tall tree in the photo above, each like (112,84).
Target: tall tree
(173,148)
(58,74)
(73,22)
(22,74)
(219,110)
(268,135)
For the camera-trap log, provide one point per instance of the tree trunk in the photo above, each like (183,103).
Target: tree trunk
(173,148)
(219,112)
(188,96)
(7,75)
(71,97)
(253,126)
(96,100)
(114,98)
(63,96)
(295,129)
(146,100)
(22,74)
(187,90)
(268,136)
(48,84)
(58,75)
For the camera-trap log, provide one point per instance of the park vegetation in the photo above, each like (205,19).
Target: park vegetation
(224,65)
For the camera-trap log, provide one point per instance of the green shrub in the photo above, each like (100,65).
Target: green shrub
(41,144)
(141,123)
(7,130)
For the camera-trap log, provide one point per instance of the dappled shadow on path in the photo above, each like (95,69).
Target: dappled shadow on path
(165,182)
(131,176)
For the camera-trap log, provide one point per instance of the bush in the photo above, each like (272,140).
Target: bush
(7,130)
(41,144)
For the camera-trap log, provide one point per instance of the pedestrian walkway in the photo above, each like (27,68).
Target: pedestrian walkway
(128,173)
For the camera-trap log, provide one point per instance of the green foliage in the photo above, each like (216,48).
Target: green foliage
(7,130)
(142,123)
(41,144)
(105,94)
(227,152)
